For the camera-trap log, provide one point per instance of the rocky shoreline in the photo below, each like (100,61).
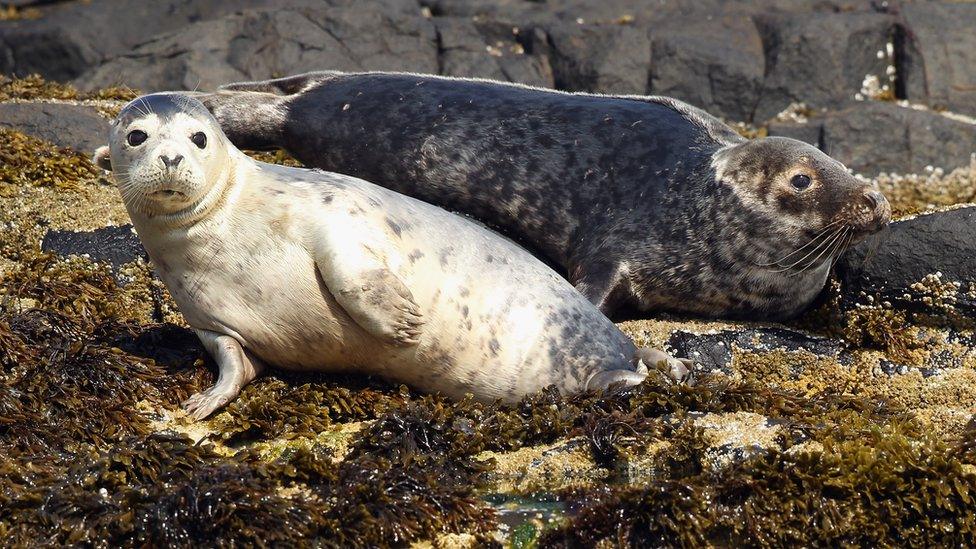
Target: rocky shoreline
(854,424)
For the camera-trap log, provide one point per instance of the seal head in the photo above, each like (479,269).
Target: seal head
(809,205)
(167,151)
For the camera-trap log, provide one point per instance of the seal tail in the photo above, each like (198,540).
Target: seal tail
(288,85)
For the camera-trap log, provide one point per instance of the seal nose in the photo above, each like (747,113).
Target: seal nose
(879,207)
(171,162)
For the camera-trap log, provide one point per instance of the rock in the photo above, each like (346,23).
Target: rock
(487,51)
(261,44)
(716,64)
(116,246)
(712,352)
(808,132)
(820,59)
(73,37)
(735,438)
(76,126)
(547,467)
(600,58)
(925,264)
(937,52)
(875,136)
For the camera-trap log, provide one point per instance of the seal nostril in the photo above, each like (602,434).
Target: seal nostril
(874,199)
(171,162)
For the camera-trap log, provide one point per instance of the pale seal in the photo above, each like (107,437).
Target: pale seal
(308,270)
(641,202)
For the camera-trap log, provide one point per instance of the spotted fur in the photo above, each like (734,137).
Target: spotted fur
(310,270)
(641,202)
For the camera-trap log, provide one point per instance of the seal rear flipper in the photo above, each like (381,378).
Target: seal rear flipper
(601,381)
(251,119)
(680,370)
(288,85)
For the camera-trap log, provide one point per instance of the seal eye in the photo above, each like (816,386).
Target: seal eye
(199,139)
(136,138)
(800,181)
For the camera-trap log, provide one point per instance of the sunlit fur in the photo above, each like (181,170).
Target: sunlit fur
(147,185)
(309,270)
(643,202)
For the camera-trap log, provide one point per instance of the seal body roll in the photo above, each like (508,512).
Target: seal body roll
(643,203)
(315,271)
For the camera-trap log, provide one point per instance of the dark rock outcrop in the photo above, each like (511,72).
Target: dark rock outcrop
(115,246)
(820,59)
(261,44)
(76,126)
(925,264)
(600,58)
(937,53)
(471,50)
(73,37)
(872,137)
(714,63)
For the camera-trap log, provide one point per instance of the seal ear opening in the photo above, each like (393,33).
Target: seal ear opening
(103,158)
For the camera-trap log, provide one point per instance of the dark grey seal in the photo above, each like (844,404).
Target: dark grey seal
(643,203)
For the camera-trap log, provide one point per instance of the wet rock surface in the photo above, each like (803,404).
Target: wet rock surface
(875,137)
(115,246)
(938,51)
(923,264)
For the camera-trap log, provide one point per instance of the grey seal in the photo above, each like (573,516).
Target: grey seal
(308,270)
(645,204)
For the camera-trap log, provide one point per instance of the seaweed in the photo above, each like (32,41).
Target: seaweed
(25,160)
(866,485)
(34,87)
(295,405)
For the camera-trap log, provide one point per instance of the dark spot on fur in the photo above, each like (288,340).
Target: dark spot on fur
(464,291)
(494,347)
(394,226)
(415,255)
(444,254)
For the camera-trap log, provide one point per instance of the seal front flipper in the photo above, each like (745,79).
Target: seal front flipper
(373,295)
(236,369)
